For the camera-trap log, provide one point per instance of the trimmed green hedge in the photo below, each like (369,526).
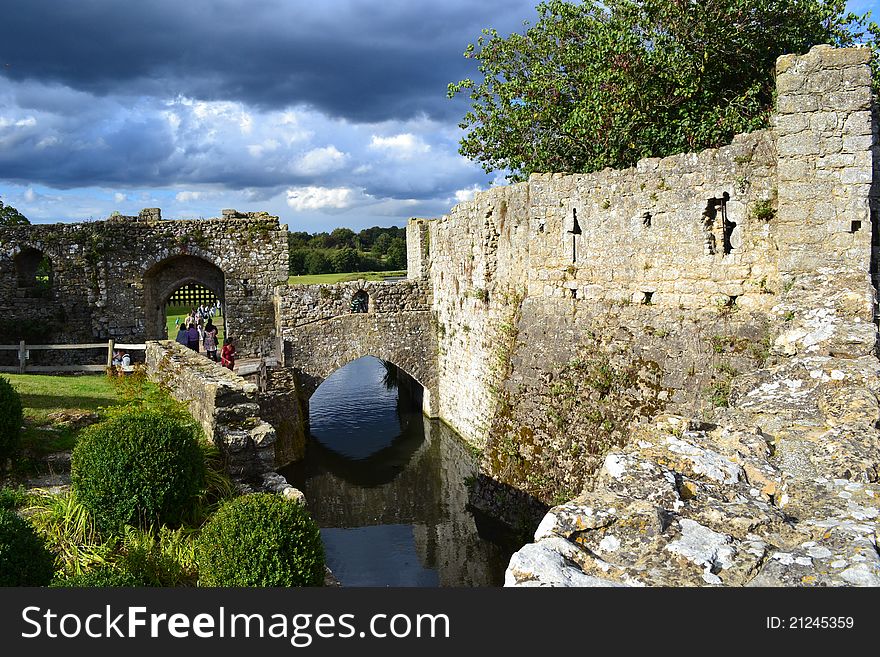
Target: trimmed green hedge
(139,467)
(260,540)
(11,415)
(24,559)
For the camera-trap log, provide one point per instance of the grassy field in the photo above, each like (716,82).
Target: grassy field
(329,279)
(173,313)
(43,396)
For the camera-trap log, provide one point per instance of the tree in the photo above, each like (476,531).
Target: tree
(380,246)
(397,254)
(317,263)
(344,260)
(602,84)
(9,216)
(343,238)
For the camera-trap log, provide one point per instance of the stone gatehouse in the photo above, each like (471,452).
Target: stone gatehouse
(111,279)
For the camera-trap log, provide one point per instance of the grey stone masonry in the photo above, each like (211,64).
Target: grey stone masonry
(224,404)
(112,279)
(720,232)
(324,327)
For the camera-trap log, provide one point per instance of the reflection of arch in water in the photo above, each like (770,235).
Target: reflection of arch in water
(164,278)
(399,484)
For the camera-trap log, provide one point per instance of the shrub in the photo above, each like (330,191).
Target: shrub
(24,559)
(12,498)
(102,576)
(10,420)
(260,540)
(140,467)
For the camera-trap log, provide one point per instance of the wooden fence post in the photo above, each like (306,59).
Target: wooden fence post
(22,357)
(109,352)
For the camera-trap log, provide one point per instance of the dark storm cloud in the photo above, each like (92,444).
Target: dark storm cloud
(364,61)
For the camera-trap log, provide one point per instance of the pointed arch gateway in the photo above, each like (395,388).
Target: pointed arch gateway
(168,276)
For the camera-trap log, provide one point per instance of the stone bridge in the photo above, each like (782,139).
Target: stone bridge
(324,327)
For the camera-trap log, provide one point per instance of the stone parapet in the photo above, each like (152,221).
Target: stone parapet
(226,406)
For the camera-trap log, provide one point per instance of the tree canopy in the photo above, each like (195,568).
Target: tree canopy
(9,216)
(602,84)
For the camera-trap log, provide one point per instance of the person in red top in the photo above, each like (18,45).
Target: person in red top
(227,354)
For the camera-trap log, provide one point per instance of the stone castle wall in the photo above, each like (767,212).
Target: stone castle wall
(676,265)
(689,372)
(111,279)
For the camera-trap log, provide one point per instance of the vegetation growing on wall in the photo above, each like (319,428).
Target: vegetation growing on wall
(588,408)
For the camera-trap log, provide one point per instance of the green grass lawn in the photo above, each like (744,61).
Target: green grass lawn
(173,313)
(315,279)
(41,396)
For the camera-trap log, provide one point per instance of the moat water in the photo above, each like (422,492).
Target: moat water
(389,489)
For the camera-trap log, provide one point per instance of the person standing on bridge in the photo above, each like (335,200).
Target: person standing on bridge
(209,340)
(227,354)
(192,337)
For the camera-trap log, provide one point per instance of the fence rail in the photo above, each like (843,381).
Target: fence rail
(24,350)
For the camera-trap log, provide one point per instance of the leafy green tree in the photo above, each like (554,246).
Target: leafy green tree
(344,260)
(397,254)
(343,238)
(601,84)
(9,216)
(317,263)
(297,261)
(380,246)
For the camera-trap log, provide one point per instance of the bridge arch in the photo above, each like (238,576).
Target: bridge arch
(315,350)
(167,276)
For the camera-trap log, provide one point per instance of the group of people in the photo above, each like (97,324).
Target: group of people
(198,327)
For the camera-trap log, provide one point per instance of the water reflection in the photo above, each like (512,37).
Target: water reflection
(388,488)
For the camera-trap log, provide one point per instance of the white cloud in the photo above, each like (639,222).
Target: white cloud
(187,196)
(319,198)
(320,160)
(119,197)
(467,194)
(27,122)
(268,146)
(403,146)
(29,195)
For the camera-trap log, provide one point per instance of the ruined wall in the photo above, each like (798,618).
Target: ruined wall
(110,279)
(224,404)
(571,306)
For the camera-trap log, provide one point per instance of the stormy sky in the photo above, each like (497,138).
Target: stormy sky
(327,113)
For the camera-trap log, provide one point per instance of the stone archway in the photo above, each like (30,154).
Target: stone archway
(166,277)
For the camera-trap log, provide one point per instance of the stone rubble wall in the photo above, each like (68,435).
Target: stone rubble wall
(303,304)
(513,246)
(226,406)
(111,278)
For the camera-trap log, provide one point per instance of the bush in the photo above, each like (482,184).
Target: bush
(140,467)
(24,559)
(260,540)
(102,576)
(10,420)
(12,498)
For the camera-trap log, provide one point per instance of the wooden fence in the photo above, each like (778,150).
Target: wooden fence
(25,349)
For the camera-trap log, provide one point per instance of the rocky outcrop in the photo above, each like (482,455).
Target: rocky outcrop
(780,489)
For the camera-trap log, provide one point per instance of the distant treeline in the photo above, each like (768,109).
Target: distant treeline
(343,250)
